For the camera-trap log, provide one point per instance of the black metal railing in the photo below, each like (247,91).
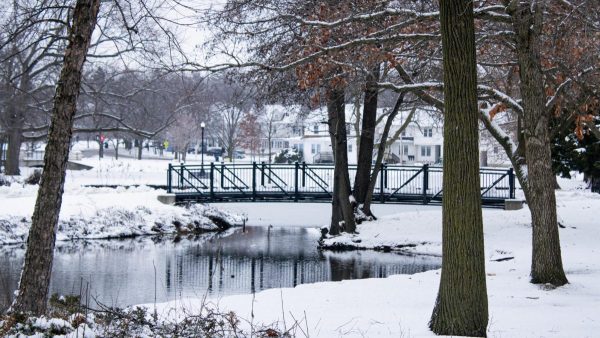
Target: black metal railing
(305,182)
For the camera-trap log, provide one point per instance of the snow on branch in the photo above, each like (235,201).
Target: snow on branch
(411,86)
(502,97)
(483,12)
(552,99)
(322,51)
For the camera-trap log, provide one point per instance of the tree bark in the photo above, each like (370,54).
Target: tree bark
(13,152)
(546,264)
(461,306)
(100,149)
(367,141)
(140,148)
(342,212)
(35,279)
(381,151)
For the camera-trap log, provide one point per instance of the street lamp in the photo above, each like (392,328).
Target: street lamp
(202,173)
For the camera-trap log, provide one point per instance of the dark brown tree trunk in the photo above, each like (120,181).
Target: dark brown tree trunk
(117,150)
(381,150)
(461,306)
(100,149)
(367,141)
(546,265)
(11,167)
(35,279)
(342,211)
(140,148)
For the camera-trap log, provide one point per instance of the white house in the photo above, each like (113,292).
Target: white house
(420,143)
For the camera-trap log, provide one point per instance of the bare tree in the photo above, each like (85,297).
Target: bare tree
(35,279)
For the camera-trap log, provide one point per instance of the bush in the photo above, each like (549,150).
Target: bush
(288,155)
(34,178)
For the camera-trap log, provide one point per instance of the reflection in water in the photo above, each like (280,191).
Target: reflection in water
(123,272)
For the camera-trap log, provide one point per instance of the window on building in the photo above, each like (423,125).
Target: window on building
(313,148)
(350,147)
(428,132)
(316,128)
(426,151)
(405,150)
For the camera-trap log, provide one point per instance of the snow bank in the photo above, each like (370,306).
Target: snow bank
(119,222)
(401,305)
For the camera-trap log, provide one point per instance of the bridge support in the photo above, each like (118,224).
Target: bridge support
(166,198)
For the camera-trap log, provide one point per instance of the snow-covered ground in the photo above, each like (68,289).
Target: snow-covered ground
(89,212)
(401,305)
(398,306)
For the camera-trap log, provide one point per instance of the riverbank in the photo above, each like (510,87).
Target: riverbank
(97,213)
(400,305)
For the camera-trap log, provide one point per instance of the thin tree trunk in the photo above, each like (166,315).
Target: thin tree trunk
(117,150)
(341,182)
(546,264)
(140,148)
(35,278)
(101,149)
(367,140)
(461,305)
(381,151)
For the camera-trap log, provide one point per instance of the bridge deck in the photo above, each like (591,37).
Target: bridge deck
(300,182)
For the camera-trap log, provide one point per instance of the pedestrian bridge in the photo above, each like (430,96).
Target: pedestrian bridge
(301,182)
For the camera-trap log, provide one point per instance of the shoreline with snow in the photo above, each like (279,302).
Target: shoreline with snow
(105,213)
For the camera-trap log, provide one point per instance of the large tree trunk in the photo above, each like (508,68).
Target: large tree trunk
(546,265)
(461,306)
(342,211)
(35,279)
(367,140)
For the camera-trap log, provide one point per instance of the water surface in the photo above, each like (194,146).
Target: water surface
(142,270)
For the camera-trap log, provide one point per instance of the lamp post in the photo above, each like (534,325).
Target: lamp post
(202,173)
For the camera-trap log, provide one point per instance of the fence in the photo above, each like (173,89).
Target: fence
(314,182)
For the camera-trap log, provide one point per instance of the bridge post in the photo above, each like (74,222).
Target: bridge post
(296,168)
(511,183)
(425,182)
(222,175)
(212,181)
(253,181)
(303,174)
(181,175)
(382,183)
(385,175)
(262,174)
(169,177)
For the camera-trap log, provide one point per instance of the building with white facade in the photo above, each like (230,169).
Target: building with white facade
(420,143)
